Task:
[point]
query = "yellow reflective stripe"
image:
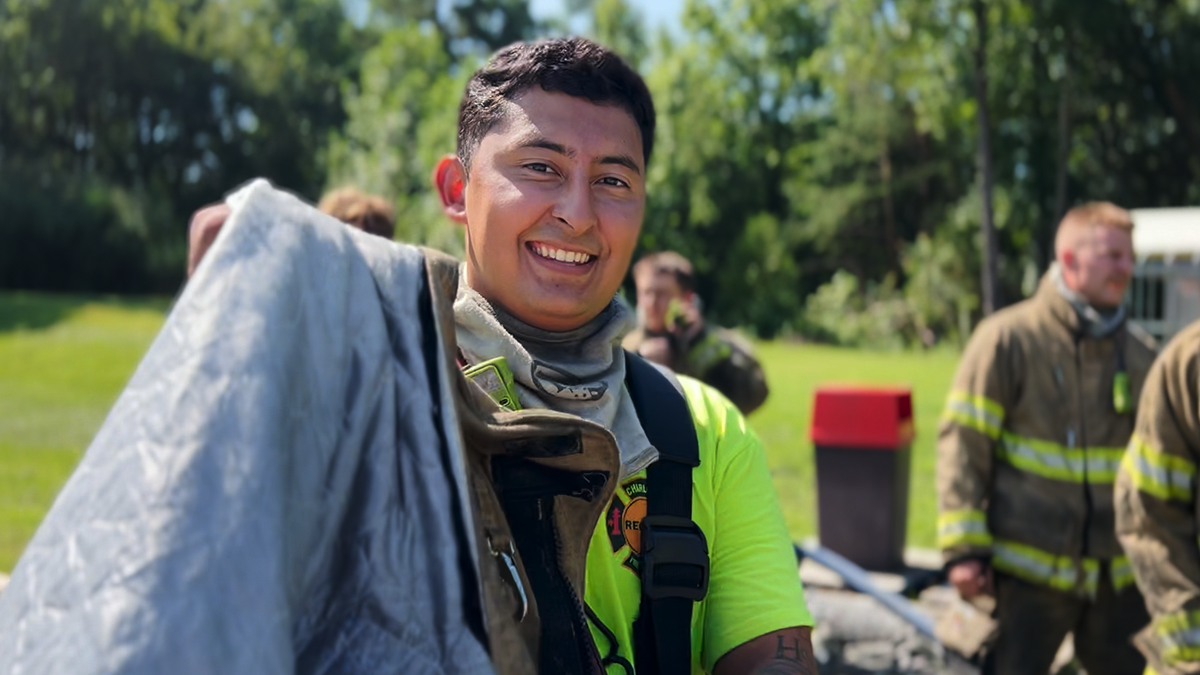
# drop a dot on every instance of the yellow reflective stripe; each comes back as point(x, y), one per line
point(1180, 636)
point(1122, 572)
point(1037, 566)
point(1051, 460)
point(976, 412)
point(963, 527)
point(1157, 473)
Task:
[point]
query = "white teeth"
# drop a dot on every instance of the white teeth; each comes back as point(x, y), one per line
point(574, 257)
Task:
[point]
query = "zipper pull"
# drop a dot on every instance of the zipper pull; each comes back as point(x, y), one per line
point(1070, 438)
point(507, 556)
point(1058, 375)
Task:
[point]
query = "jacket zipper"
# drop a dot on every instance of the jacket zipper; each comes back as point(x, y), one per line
point(1082, 438)
point(565, 635)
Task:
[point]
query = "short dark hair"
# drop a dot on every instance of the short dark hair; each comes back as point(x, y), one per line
point(572, 66)
point(667, 262)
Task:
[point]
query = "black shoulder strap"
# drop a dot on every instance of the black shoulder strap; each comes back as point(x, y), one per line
point(674, 555)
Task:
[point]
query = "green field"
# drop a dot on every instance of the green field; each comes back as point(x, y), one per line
point(794, 371)
point(64, 360)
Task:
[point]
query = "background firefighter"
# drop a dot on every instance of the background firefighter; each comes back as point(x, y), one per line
point(671, 331)
point(1156, 506)
point(1034, 428)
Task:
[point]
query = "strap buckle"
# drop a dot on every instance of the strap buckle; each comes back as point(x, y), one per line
point(674, 559)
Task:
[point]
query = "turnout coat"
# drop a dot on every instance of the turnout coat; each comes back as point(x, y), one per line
point(1157, 513)
point(1030, 442)
point(298, 479)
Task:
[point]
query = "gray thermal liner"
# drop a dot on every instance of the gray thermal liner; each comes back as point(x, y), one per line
point(279, 489)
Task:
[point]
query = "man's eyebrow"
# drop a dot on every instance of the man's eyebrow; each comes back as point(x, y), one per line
point(539, 141)
point(623, 160)
point(536, 140)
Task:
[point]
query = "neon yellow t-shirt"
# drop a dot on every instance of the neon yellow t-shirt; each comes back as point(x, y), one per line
point(754, 587)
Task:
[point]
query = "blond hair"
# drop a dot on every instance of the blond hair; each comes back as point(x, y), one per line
point(1082, 219)
point(369, 213)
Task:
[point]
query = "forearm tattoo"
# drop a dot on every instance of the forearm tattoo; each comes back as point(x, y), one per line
point(791, 658)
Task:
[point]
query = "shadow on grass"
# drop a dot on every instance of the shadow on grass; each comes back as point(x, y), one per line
point(22, 310)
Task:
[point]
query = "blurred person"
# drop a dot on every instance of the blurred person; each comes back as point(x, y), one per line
point(369, 213)
point(1034, 428)
point(565, 481)
point(1157, 520)
point(672, 332)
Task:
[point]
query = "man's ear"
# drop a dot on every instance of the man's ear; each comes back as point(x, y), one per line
point(450, 181)
point(1069, 259)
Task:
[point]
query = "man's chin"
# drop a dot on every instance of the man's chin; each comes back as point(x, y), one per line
point(558, 319)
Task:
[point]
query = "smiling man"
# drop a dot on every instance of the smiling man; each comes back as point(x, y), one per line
point(1033, 432)
point(549, 183)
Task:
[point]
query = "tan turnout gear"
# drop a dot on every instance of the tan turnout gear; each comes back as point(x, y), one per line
point(1030, 443)
point(1028, 450)
point(1157, 510)
point(488, 431)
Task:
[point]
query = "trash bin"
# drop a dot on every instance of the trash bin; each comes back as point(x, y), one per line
point(863, 438)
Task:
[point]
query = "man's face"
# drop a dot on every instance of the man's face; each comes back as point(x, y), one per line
point(655, 291)
point(1100, 266)
point(553, 205)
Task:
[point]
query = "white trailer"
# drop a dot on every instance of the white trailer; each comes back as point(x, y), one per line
point(1165, 293)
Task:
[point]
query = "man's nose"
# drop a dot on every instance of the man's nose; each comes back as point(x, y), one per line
point(575, 206)
point(1126, 266)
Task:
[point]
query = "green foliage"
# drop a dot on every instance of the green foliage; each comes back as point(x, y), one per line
point(64, 233)
point(878, 318)
point(796, 140)
point(401, 120)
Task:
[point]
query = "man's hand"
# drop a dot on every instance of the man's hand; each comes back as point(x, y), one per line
point(658, 349)
point(972, 578)
point(784, 652)
point(202, 232)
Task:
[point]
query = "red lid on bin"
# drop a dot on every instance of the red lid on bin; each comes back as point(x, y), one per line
point(860, 417)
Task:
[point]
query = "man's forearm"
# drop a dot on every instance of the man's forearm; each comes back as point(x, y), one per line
point(793, 656)
point(783, 652)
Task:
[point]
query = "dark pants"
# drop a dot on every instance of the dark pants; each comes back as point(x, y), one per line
point(1034, 620)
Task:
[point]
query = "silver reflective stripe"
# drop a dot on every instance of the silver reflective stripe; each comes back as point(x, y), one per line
point(1172, 479)
point(1036, 568)
point(974, 412)
point(964, 526)
point(1056, 462)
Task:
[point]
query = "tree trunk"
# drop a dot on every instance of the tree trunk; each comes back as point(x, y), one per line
point(889, 210)
point(990, 277)
point(1064, 135)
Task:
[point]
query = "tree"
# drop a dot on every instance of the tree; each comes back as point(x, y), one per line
point(990, 280)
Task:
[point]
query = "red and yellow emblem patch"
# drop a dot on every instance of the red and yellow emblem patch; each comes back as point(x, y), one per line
point(623, 521)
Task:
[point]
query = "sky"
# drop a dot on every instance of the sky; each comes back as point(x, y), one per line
point(655, 12)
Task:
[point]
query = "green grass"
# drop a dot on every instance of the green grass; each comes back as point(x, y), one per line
point(64, 360)
point(795, 371)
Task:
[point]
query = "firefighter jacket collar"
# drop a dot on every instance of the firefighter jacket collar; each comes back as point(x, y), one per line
point(1063, 310)
point(579, 372)
point(1094, 322)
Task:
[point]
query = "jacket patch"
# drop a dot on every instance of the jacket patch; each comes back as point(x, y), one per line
point(623, 522)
